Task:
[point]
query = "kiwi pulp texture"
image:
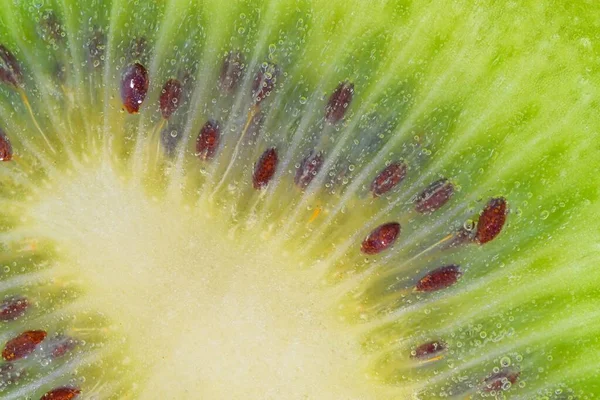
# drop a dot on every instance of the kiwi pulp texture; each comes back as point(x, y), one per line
point(298, 199)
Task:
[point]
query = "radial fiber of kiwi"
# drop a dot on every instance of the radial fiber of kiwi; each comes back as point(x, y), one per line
point(299, 199)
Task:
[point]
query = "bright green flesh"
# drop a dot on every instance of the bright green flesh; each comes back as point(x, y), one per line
point(184, 281)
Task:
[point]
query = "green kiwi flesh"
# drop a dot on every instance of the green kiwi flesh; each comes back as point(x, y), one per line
point(299, 199)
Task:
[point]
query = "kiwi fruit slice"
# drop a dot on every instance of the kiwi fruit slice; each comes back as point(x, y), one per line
point(299, 199)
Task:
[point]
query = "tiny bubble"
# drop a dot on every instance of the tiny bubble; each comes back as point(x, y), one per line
point(469, 225)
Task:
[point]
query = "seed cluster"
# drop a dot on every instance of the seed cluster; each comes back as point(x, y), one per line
point(135, 83)
point(26, 343)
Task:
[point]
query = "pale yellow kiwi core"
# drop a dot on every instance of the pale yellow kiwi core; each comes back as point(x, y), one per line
point(203, 310)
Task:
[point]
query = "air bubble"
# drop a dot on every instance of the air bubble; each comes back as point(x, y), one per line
point(505, 361)
point(544, 215)
point(469, 225)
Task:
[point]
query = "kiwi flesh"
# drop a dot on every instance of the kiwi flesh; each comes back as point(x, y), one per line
point(299, 199)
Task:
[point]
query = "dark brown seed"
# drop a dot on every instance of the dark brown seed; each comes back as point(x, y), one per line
point(10, 70)
point(265, 168)
point(231, 71)
point(429, 350)
point(13, 308)
point(6, 151)
point(170, 97)
point(61, 345)
point(208, 140)
point(134, 87)
point(62, 393)
point(381, 238)
point(461, 237)
point(387, 179)
point(264, 82)
point(491, 220)
point(22, 345)
point(439, 279)
point(434, 196)
point(501, 380)
point(339, 102)
point(309, 168)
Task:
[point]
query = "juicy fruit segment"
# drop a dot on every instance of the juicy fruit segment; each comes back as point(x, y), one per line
point(162, 259)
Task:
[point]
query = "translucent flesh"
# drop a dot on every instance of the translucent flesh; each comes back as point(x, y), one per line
point(188, 282)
